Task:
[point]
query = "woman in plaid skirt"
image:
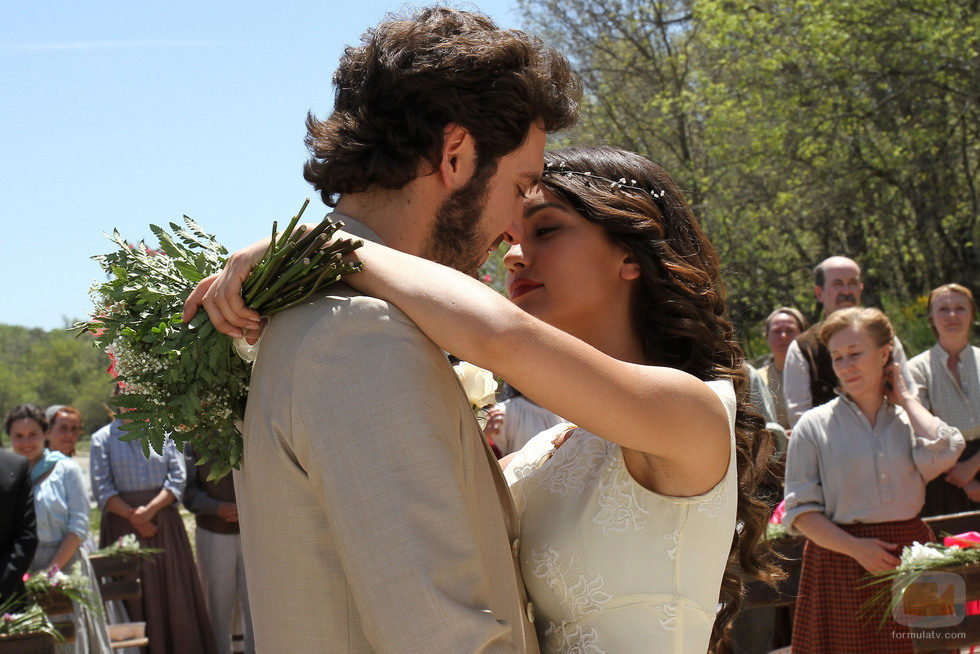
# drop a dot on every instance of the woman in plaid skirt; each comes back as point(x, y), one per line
point(856, 471)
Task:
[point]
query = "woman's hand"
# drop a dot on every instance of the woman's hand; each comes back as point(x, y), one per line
point(495, 420)
point(961, 474)
point(894, 385)
point(972, 490)
point(874, 555)
point(149, 530)
point(228, 511)
point(221, 296)
point(141, 516)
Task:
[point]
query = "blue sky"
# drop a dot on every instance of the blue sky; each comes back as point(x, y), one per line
point(118, 115)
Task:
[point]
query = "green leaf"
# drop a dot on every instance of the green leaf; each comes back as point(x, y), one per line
point(167, 243)
point(190, 272)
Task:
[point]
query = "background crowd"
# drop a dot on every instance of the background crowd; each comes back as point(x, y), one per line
point(47, 507)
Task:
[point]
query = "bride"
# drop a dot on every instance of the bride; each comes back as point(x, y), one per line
point(616, 322)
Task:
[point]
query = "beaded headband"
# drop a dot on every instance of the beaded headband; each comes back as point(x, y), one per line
point(616, 185)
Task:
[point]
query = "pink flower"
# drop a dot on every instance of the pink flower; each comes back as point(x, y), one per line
point(27, 575)
point(778, 513)
point(487, 279)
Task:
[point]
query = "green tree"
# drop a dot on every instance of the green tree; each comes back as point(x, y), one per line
point(53, 368)
point(799, 129)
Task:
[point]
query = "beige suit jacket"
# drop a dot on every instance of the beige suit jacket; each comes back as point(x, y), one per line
point(374, 516)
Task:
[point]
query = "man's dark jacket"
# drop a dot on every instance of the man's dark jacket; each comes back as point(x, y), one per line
point(18, 530)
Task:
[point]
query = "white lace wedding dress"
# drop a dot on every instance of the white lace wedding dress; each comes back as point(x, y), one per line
point(610, 566)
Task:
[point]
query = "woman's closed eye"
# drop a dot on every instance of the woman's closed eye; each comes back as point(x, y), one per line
point(544, 231)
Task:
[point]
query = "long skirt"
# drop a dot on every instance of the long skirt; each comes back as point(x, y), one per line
point(832, 597)
point(172, 603)
point(91, 636)
point(943, 498)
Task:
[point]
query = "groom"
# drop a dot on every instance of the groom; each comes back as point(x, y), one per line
point(374, 516)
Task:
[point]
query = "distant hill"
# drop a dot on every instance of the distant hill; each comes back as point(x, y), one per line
point(53, 367)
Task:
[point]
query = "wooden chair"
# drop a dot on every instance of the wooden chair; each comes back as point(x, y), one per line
point(27, 644)
point(119, 580)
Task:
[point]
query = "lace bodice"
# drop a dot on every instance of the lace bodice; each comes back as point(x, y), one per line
point(609, 565)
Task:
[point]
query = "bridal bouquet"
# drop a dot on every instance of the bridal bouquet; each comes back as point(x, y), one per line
point(185, 381)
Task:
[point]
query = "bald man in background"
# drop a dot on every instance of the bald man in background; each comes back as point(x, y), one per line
point(808, 374)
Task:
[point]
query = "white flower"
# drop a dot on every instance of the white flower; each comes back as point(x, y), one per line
point(919, 553)
point(479, 384)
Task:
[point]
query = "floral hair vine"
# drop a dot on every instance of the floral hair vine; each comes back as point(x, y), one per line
point(616, 185)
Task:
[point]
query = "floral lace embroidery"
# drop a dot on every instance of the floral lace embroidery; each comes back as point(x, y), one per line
point(671, 545)
point(525, 484)
point(582, 596)
point(619, 507)
point(572, 467)
point(571, 638)
point(667, 614)
point(713, 503)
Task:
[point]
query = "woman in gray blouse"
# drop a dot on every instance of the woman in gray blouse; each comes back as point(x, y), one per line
point(856, 472)
point(948, 377)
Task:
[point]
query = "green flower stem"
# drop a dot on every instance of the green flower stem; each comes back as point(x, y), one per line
point(291, 274)
point(325, 227)
point(253, 280)
point(320, 280)
point(268, 273)
point(334, 253)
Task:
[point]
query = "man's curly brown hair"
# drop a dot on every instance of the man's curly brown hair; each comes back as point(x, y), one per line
point(410, 77)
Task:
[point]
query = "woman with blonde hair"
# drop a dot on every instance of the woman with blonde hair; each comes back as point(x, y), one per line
point(948, 376)
point(856, 471)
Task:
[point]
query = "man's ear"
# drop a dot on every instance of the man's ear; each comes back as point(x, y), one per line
point(818, 291)
point(458, 160)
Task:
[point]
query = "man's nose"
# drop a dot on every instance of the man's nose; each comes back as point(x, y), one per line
point(514, 232)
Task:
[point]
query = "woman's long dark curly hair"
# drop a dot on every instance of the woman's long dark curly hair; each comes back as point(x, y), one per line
point(679, 312)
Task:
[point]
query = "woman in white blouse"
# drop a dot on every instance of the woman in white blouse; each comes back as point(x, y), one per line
point(856, 471)
point(948, 377)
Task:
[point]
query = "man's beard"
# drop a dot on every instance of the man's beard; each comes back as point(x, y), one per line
point(455, 240)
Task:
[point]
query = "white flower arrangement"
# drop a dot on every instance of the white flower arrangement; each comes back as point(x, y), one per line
point(919, 556)
point(479, 384)
point(47, 584)
point(127, 546)
point(480, 388)
point(915, 560)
